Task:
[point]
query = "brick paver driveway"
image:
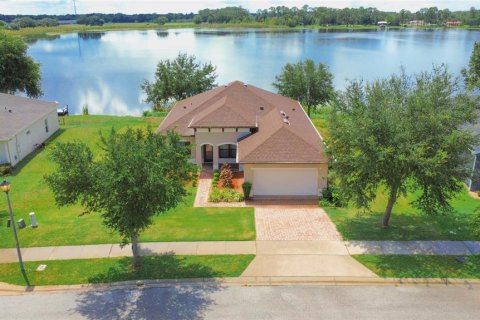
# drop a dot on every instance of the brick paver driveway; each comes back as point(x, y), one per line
point(293, 221)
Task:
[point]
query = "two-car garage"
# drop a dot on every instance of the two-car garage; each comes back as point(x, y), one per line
point(295, 181)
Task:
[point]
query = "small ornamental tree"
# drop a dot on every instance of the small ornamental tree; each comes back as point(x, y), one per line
point(139, 175)
point(403, 134)
point(226, 176)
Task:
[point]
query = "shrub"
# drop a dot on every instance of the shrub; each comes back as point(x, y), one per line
point(246, 187)
point(226, 176)
point(331, 196)
point(5, 168)
point(224, 195)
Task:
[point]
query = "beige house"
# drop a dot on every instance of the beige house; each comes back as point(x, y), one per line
point(24, 125)
point(267, 135)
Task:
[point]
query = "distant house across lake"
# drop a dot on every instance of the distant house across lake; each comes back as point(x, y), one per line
point(24, 125)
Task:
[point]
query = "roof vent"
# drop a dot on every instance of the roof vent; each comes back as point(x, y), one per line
point(245, 84)
point(293, 109)
point(286, 121)
point(10, 110)
point(283, 113)
point(262, 108)
point(184, 107)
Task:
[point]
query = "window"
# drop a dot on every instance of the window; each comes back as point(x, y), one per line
point(46, 125)
point(183, 143)
point(227, 151)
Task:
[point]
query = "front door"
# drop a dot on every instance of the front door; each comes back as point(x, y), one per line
point(208, 153)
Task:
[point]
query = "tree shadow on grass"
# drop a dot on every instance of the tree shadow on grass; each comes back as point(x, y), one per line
point(187, 301)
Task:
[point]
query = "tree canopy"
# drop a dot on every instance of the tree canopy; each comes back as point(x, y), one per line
point(472, 73)
point(138, 175)
point(178, 79)
point(402, 134)
point(18, 71)
point(304, 81)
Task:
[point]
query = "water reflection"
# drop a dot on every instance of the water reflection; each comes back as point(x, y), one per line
point(104, 70)
point(91, 35)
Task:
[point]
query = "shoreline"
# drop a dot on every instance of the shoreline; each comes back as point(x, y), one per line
point(51, 32)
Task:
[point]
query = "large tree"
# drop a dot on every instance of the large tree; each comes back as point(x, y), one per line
point(18, 71)
point(178, 79)
point(304, 81)
point(138, 175)
point(402, 134)
point(472, 73)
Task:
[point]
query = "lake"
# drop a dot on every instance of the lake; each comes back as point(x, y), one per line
point(105, 70)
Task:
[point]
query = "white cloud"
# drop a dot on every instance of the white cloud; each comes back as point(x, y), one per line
point(164, 6)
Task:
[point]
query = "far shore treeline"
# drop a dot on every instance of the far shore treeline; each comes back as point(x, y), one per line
point(274, 16)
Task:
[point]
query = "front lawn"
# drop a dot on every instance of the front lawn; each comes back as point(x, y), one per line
point(64, 272)
point(418, 266)
point(67, 226)
point(407, 223)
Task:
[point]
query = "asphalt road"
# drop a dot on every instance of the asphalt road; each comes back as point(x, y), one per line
point(257, 302)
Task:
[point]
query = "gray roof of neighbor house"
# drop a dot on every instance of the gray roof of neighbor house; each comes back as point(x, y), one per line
point(18, 113)
point(284, 133)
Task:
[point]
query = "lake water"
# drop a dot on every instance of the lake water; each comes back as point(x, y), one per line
point(104, 70)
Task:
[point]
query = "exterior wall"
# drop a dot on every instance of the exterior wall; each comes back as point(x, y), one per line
point(23, 143)
point(322, 170)
point(216, 139)
point(4, 158)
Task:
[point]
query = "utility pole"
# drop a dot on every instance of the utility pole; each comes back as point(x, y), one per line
point(75, 7)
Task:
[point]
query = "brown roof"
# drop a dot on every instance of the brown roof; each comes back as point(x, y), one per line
point(284, 131)
point(17, 113)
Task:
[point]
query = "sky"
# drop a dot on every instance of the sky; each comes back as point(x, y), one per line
point(185, 6)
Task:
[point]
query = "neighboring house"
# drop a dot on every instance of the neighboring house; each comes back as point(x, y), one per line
point(453, 23)
point(269, 136)
point(24, 125)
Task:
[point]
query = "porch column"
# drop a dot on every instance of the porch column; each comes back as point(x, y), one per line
point(198, 154)
point(215, 157)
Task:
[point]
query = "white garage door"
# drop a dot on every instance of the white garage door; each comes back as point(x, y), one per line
point(285, 182)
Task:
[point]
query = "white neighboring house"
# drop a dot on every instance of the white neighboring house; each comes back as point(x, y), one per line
point(24, 124)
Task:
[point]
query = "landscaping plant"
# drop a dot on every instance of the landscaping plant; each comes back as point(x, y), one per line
point(226, 176)
point(246, 187)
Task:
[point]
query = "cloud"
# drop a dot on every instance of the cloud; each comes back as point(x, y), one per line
point(164, 6)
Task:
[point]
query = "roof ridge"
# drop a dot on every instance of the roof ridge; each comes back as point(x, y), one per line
point(289, 128)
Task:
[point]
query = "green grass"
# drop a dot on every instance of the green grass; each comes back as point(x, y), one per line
point(65, 272)
point(418, 266)
point(407, 223)
point(66, 226)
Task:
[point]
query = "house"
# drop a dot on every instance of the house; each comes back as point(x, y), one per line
point(24, 125)
point(416, 23)
point(453, 23)
point(268, 136)
point(382, 23)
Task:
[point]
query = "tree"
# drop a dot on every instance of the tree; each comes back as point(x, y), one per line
point(472, 73)
point(140, 175)
point(304, 81)
point(178, 79)
point(161, 20)
point(226, 176)
point(18, 71)
point(402, 134)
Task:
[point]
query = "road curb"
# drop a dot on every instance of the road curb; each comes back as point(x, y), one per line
point(9, 289)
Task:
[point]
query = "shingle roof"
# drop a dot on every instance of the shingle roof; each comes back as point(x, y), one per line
point(17, 113)
point(284, 131)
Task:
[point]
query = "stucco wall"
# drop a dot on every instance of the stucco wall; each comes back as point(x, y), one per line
point(322, 170)
point(23, 143)
point(3, 152)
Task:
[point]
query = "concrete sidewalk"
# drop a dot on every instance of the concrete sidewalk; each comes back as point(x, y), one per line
point(264, 248)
